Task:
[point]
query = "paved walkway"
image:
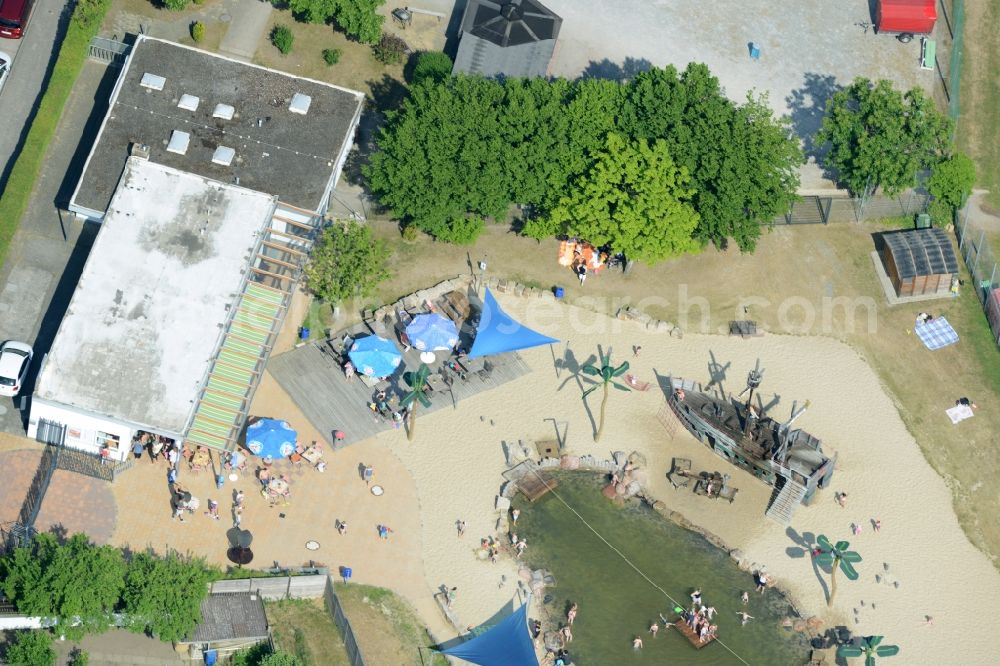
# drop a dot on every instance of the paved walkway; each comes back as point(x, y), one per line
point(250, 19)
point(122, 648)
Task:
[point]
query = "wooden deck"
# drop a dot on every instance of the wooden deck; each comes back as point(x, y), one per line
point(332, 402)
point(692, 637)
point(536, 485)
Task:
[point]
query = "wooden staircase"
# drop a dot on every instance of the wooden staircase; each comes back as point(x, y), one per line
point(784, 501)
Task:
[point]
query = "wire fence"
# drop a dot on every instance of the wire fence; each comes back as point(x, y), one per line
point(337, 611)
point(834, 209)
point(974, 246)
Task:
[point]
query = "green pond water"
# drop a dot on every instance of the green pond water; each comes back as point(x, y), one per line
point(616, 603)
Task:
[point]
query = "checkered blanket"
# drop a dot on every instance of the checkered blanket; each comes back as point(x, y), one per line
point(936, 333)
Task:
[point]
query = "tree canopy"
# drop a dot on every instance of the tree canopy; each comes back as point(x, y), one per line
point(31, 648)
point(634, 197)
point(460, 149)
point(880, 138)
point(356, 18)
point(162, 595)
point(77, 582)
point(952, 179)
point(346, 262)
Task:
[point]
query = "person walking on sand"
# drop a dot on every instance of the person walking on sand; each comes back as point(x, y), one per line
point(460, 526)
point(654, 628)
point(636, 643)
point(238, 498)
point(342, 527)
point(384, 531)
point(367, 474)
point(745, 597)
point(744, 617)
point(213, 509)
point(841, 500)
point(876, 525)
point(237, 517)
point(571, 614)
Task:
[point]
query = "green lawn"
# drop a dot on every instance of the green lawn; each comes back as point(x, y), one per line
point(979, 117)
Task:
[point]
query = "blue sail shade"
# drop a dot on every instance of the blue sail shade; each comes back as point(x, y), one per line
point(498, 332)
point(505, 644)
point(271, 438)
point(432, 332)
point(374, 356)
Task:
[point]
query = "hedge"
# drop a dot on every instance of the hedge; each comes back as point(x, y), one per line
point(83, 26)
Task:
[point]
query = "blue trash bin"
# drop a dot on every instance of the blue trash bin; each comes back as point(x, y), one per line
point(304, 333)
point(345, 573)
point(559, 292)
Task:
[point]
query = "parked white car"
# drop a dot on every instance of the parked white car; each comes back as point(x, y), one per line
point(5, 62)
point(15, 358)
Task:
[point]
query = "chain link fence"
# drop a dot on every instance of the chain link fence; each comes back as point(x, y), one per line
point(974, 246)
point(833, 209)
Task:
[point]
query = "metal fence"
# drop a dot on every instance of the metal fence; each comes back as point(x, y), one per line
point(337, 611)
point(825, 210)
point(974, 246)
point(109, 51)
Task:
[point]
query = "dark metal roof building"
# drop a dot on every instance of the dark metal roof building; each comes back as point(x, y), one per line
point(513, 38)
point(919, 261)
point(231, 617)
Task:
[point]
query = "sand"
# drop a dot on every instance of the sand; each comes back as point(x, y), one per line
point(456, 460)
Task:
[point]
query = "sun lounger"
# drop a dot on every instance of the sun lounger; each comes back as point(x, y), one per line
point(679, 475)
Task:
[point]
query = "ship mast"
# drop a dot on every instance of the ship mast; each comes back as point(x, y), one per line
point(754, 379)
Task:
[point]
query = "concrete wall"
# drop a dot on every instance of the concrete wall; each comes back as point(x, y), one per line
point(294, 587)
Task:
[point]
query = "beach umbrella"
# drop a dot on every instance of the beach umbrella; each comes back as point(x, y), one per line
point(271, 438)
point(836, 556)
point(374, 356)
point(869, 648)
point(432, 332)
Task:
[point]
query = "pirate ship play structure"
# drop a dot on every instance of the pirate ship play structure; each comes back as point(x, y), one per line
point(789, 460)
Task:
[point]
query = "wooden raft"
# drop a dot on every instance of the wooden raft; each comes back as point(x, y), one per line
point(536, 485)
point(688, 633)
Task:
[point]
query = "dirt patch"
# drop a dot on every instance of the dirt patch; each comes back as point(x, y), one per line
point(386, 627)
point(318, 642)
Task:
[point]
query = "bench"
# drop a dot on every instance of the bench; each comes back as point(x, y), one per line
point(928, 53)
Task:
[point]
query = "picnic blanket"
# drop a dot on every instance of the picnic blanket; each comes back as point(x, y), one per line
point(936, 333)
point(959, 413)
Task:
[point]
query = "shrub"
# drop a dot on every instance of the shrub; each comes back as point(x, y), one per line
point(79, 657)
point(390, 49)
point(331, 56)
point(176, 5)
point(197, 31)
point(282, 39)
point(410, 233)
point(434, 66)
point(31, 648)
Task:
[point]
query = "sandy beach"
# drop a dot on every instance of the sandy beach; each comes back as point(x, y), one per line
point(456, 460)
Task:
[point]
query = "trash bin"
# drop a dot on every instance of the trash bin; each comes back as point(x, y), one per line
point(754, 51)
point(304, 333)
point(559, 292)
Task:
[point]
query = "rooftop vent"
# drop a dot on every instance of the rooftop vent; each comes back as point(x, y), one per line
point(223, 156)
point(152, 81)
point(300, 104)
point(188, 103)
point(224, 111)
point(178, 142)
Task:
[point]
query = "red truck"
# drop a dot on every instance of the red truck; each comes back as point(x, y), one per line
point(905, 18)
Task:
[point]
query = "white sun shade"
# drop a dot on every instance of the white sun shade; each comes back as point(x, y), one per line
point(223, 156)
point(224, 111)
point(178, 142)
point(300, 104)
point(152, 81)
point(188, 103)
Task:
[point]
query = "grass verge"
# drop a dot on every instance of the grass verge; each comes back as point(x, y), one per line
point(303, 627)
point(83, 26)
point(386, 627)
point(979, 116)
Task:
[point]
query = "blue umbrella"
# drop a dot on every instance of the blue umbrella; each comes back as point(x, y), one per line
point(271, 438)
point(375, 356)
point(432, 332)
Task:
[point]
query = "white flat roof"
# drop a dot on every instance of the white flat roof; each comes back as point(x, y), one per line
point(147, 314)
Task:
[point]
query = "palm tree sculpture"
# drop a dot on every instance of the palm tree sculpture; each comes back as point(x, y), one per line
point(417, 380)
point(836, 556)
point(868, 649)
point(607, 373)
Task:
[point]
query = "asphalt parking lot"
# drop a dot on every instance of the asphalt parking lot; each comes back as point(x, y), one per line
point(807, 48)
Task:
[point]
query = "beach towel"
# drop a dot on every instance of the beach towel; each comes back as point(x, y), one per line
point(959, 413)
point(936, 333)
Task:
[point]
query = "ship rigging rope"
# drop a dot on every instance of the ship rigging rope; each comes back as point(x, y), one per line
point(628, 561)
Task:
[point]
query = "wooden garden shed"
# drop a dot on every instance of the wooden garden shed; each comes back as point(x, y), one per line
point(919, 261)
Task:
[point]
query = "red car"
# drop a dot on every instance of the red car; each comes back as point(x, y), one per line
point(14, 15)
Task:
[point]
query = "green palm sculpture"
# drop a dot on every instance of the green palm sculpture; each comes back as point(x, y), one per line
point(417, 380)
point(836, 556)
point(870, 648)
point(607, 374)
